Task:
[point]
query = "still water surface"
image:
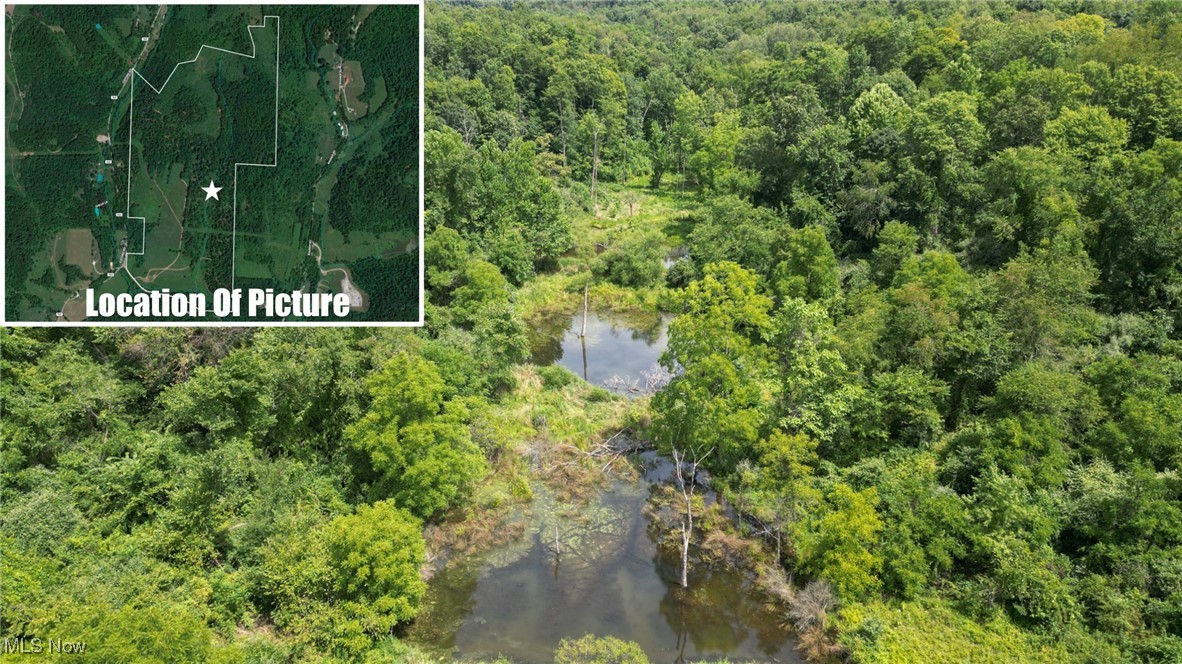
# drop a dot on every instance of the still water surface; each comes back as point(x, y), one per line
point(617, 345)
point(607, 576)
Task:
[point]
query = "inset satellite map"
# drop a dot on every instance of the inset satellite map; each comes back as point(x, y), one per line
point(194, 148)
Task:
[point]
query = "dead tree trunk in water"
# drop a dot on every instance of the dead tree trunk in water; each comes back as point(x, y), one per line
point(586, 290)
point(687, 493)
point(583, 334)
point(687, 531)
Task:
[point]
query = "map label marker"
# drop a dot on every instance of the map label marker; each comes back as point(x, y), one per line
point(211, 191)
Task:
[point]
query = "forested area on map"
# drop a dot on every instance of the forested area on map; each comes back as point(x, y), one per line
point(108, 165)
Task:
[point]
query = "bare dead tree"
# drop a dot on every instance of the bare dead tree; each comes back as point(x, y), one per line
point(617, 447)
point(811, 606)
point(687, 493)
point(622, 384)
point(652, 380)
point(656, 377)
point(469, 126)
point(808, 612)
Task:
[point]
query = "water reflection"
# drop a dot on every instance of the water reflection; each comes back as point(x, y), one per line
point(605, 576)
point(623, 346)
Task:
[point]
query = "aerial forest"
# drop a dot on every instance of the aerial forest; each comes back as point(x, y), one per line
point(921, 267)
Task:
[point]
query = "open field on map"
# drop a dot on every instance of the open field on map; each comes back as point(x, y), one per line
point(363, 244)
point(81, 250)
point(375, 93)
point(353, 88)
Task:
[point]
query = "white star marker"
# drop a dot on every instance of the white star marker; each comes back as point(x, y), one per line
point(211, 191)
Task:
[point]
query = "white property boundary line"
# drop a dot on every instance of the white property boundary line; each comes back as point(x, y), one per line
point(274, 158)
point(246, 323)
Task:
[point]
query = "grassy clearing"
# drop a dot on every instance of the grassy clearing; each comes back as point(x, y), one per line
point(622, 209)
point(562, 292)
point(552, 408)
point(931, 631)
point(362, 244)
point(354, 107)
point(81, 250)
point(165, 230)
point(635, 207)
point(540, 431)
point(379, 94)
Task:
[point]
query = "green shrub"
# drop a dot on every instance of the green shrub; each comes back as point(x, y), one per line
point(599, 650)
point(556, 377)
point(632, 260)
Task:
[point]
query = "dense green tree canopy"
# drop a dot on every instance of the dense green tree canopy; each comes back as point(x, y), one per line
point(928, 336)
point(940, 243)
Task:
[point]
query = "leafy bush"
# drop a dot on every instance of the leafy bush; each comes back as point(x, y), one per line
point(599, 650)
point(556, 377)
point(634, 260)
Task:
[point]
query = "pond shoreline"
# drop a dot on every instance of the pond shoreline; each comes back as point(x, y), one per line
point(620, 351)
point(587, 567)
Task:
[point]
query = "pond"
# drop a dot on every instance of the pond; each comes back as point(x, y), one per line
point(605, 576)
point(620, 351)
